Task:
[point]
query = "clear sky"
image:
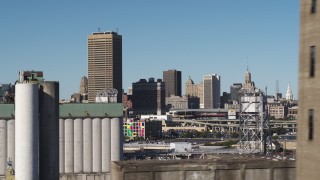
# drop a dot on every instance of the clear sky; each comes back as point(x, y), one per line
point(195, 37)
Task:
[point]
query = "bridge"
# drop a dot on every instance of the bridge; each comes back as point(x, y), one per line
point(231, 125)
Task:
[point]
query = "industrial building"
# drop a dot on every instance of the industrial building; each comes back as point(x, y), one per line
point(308, 155)
point(90, 137)
point(220, 167)
point(104, 63)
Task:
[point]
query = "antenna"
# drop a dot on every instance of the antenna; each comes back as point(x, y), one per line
point(247, 63)
point(277, 87)
point(99, 29)
point(117, 30)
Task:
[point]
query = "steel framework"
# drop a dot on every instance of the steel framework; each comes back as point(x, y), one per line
point(254, 124)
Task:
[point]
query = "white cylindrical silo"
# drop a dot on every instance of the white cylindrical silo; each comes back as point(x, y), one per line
point(27, 131)
point(78, 145)
point(61, 146)
point(10, 141)
point(3, 146)
point(96, 140)
point(116, 139)
point(106, 140)
point(68, 146)
point(87, 145)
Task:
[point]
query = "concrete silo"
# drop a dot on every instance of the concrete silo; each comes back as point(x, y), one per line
point(87, 145)
point(96, 141)
point(116, 139)
point(27, 131)
point(78, 145)
point(49, 130)
point(3, 146)
point(11, 141)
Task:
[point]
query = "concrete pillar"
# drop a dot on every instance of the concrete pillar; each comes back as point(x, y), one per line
point(10, 141)
point(49, 130)
point(116, 139)
point(69, 157)
point(87, 145)
point(3, 146)
point(27, 131)
point(61, 146)
point(106, 142)
point(78, 145)
point(96, 140)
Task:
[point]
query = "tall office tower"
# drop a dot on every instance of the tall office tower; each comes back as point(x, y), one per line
point(211, 91)
point(172, 80)
point(148, 97)
point(104, 63)
point(308, 156)
point(248, 85)
point(234, 91)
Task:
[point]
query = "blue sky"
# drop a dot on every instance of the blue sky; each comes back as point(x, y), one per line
point(195, 37)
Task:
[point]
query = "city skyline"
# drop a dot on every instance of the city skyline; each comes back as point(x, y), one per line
point(196, 39)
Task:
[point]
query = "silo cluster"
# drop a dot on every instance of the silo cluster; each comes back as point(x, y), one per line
point(88, 145)
point(42, 146)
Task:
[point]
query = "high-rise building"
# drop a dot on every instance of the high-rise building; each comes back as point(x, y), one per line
point(248, 85)
point(191, 88)
point(84, 85)
point(148, 97)
point(172, 80)
point(308, 156)
point(211, 91)
point(104, 63)
point(234, 91)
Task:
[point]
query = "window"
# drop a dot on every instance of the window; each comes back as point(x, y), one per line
point(313, 6)
point(312, 60)
point(310, 136)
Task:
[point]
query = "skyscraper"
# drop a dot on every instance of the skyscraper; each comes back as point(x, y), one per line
point(104, 63)
point(308, 156)
point(172, 80)
point(248, 85)
point(211, 91)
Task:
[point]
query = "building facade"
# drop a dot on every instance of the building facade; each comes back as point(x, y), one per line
point(185, 102)
point(277, 111)
point(172, 80)
point(148, 97)
point(293, 112)
point(104, 63)
point(211, 91)
point(308, 155)
point(191, 88)
point(134, 129)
